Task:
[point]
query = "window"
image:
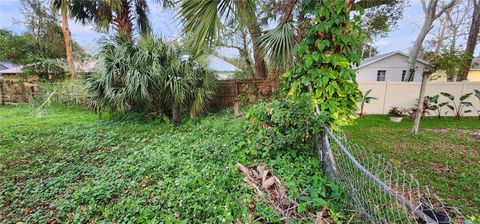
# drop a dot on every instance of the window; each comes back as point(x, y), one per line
point(404, 73)
point(381, 75)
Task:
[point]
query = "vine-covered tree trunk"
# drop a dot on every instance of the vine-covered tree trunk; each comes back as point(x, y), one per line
point(68, 44)
point(176, 114)
point(471, 41)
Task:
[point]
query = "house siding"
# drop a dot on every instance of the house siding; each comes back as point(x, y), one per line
point(393, 65)
point(474, 75)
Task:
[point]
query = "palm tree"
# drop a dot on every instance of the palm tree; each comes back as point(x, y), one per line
point(150, 75)
point(119, 14)
point(63, 7)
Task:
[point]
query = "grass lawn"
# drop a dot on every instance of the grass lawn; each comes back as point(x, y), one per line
point(444, 155)
point(69, 166)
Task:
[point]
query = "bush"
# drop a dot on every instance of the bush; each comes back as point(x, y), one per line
point(149, 76)
point(282, 124)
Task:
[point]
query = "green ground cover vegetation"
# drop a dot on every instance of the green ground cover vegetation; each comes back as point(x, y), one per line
point(445, 155)
point(71, 166)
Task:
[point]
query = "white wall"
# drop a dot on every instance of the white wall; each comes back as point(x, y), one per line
point(404, 94)
point(394, 65)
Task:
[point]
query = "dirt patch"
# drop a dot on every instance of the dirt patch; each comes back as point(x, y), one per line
point(439, 168)
point(438, 130)
point(476, 135)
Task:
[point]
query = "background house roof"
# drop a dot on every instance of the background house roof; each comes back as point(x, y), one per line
point(13, 70)
point(373, 59)
point(6, 65)
point(475, 63)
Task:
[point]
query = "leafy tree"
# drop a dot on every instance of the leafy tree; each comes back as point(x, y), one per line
point(43, 26)
point(323, 71)
point(450, 61)
point(17, 49)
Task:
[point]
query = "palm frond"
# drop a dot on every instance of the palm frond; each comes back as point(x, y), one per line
point(202, 19)
point(278, 43)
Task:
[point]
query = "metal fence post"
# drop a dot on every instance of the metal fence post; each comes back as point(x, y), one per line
point(328, 161)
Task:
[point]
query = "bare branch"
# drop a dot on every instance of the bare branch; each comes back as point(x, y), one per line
point(424, 6)
point(445, 8)
point(233, 46)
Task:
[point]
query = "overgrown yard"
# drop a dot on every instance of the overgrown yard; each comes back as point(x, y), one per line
point(445, 155)
point(69, 166)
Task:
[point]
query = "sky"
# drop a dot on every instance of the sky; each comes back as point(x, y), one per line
point(165, 25)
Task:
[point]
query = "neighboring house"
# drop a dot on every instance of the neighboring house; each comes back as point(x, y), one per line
point(474, 73)
point(388, 67)
point(13, 73)
point(222, 69)
point(5, 65)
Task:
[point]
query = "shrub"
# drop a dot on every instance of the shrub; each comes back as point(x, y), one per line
point(282, 124)
point(458, 109)
point(435, 105)
point(149, 76)
point(396, 112)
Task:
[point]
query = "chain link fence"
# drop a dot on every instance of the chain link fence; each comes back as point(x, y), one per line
point(380, 192)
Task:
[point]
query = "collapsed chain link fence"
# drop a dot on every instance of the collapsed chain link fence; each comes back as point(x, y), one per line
point(380, 192)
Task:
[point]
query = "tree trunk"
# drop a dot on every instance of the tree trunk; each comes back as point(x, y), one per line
point(471, 42)
point(68, 44)
point(421, 99)
point(176, 114)
point(255, 33)
point(123, 23)
point(412, 59)
point(246, 55)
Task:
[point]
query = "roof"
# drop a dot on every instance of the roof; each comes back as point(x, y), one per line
point(80, 66)
point(13, 70)
point(217, 64)
point(380, 57)
point(475, 63)
point(5, 65)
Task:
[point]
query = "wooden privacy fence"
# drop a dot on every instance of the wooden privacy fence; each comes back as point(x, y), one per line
point(17, 92)
point(229, 91)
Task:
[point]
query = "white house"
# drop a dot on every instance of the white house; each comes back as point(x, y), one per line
point(222, 69)
point(388, 67)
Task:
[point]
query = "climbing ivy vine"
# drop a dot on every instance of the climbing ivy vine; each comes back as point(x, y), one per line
point(323, 70)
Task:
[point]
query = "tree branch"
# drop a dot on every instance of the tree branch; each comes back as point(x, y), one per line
point(374, 3)
point(445, 8)
point(424, 6)
point(233, 46)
